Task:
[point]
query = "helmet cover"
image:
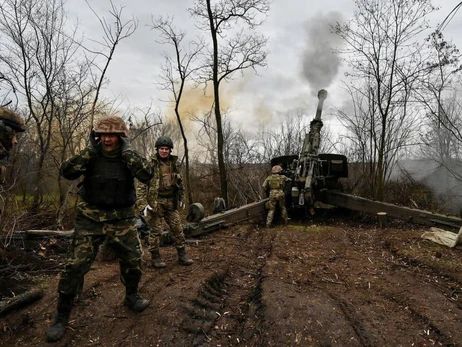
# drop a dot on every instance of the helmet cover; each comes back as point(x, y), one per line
point(11, 119)
point(111, 125)
point(276, 169)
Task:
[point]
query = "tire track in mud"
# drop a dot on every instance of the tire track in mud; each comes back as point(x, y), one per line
point(433, 315)
point(350, 294)
point(226, 307)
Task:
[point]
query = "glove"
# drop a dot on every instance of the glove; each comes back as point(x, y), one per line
point(92, 144)
point(126, 145)
point(145, 210)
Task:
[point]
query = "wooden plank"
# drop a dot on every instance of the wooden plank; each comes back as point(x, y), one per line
point(227, 218)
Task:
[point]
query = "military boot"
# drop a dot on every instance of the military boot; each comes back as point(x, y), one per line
point(157, 260)
point(134, 301)
point(58, 328)
point(183, 258)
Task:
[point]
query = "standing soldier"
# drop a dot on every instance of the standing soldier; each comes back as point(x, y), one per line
point(109, 167)
point(275, 183)
point(164, 196)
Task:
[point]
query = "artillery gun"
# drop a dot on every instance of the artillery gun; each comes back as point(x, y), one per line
point(315, 178)
point(311, 172)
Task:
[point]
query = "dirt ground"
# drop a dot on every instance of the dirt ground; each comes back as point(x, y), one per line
point(328, 282)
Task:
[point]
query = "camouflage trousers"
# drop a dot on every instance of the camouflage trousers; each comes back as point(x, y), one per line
point(167, 211)
point(121, 235)
point(276, 199)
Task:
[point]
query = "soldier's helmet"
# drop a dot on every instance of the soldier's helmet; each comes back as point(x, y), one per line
point(164, 141)
point(12, 120)
point(276, 169)
point(111, 125)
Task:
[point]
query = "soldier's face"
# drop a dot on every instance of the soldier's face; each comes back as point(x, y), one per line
point(14, 140)
point(110, 141)
point(10, 140)
point(164, 152)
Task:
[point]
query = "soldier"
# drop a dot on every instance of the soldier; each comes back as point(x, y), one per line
point(275, 183)
point(164, 196)
point(109, 167)
point(11, 125)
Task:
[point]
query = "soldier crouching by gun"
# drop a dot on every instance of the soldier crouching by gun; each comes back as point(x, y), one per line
point(275, 183)
point(164, 197)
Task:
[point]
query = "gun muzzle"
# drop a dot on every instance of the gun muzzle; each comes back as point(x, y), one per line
point(322, 95)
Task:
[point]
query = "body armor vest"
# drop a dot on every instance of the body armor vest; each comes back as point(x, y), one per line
point(108, 183)
point(275, 182)
point(166, 186)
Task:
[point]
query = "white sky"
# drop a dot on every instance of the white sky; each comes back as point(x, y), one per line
point(280, 87)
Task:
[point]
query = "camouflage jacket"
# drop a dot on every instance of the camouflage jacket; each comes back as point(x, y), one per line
point(4, 153)
point(3, 165)
point(153, 190)
point(77, 166)
point(275, 182)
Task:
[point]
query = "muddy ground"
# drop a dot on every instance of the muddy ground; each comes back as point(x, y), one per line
point(328, 282)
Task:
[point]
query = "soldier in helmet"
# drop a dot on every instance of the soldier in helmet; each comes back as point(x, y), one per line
point(275, 183)
point(109, 167)
point(11, 125)
point(164, 196)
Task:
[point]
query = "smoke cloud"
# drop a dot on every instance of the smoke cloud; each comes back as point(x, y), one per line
point(320, 63)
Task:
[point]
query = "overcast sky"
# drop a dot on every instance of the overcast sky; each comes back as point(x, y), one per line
point(299, 45)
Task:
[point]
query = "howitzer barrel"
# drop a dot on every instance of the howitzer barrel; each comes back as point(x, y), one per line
point(313, 138)
point(322, 95)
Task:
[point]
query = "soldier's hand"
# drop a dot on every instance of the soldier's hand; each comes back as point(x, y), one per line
point(181, 204)
point(126, 145)
point(92, 144)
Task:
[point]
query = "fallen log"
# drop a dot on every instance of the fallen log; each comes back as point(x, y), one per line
point(20, 301)
point(43, 233)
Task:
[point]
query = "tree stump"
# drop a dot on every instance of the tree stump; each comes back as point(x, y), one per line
point(382, 219)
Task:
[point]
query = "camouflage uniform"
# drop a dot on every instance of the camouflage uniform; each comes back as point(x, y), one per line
point(276, 183)
point(10, 125)
point(107, 213)
point(164, 193)
point(93, 224)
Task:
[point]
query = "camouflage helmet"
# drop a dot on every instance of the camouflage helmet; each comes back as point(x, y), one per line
point(164, 141)
point(276, 169)
point(111, 125)
point(12, 120)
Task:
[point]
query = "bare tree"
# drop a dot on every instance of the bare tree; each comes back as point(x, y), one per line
point(113, 34)
point(39, 58)
point(384, 54)
point(444, 71)
point(176, 72)
point(285, 137)
point(144, 129)
point(233, 50)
